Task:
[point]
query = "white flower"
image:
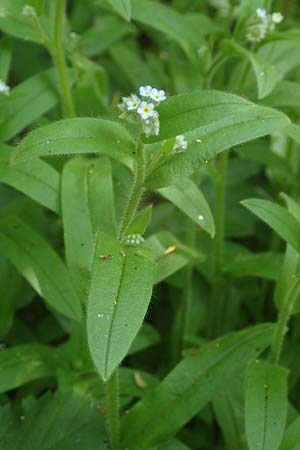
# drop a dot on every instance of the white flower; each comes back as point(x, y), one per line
point(133, 239)
point(151, 126)
point(277, 17)
point(145, 91)
point(132, 103)
point(180, 143)
point(4, 89)
point(29, 11)
point(261, 13)
point(158, 95)
point(146, 110)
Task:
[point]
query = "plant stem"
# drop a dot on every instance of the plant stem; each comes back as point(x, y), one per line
point(112, 408)
point(217, 300)
point(283, 318)
point(59, 59)
point(136, 193)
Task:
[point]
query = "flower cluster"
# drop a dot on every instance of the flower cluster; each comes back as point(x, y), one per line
point(133, 239)
point(4, 89)
point(29, 11)
point(262, 24)
point(142, 108)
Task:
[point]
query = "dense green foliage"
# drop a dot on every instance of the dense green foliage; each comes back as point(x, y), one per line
point(149, 224)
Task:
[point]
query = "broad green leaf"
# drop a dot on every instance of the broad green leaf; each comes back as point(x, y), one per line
point(121, 7)
point(211, 122)
point(27, 102)
point(14, 22)
point(291, 438)
point(190, 386)
point(265, 73)
point(140, 222)
point(278, 218)
point(120, 292)
point(293, 131)
point(283, 55)
point(285, 93)
point(62, 421)
point(37, 179)
point(190, 200)
point(77, 136)
point(173, 444)
point(5, 57)
point(88, 202)
point(266, 405)
point(40, 265)
point(24, 363)
point(263, 265)
point(170, 254)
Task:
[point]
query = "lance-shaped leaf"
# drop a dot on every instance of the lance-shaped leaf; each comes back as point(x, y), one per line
point(40, 265)
point(121, 7)
point(27, 102)
point(266, 405)
point(120, 292)
point(87, 200)
point(211, 122)
point(190, 200)
point(24, 363)
point(278, 218)
point(77, 136)
point(37, 179)
point(190, 386)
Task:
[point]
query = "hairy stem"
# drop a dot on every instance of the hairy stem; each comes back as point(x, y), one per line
point(59, 59)
point(136, 193)
point(217, 299)
point(283, 319)
point(112, 410)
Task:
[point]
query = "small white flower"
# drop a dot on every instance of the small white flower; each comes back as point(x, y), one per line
point(261, 13)
point(146, 110)
point(29, 11)
point(4, 89)
point(277, 17)
point(180, 143)
point(158, 95)
point(132, 103)
point(145, 91)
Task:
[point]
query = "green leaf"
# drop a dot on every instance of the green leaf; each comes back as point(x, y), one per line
point(285, 93)
point(24, 363)
point(247, 10)
point(211, 122)
point(61, 422)
point(293, 131)
point(121, 7)
point(88, 202)
point(140, 222)
point(5, 57)
point(120, 292)
point(147, 337)
point(266, 405)
point(173, 444)
point(262, 265)
point(278, 218)
point(189, 199)
point(291, 438)
point(190, 386)
point(77, 136)
point(40, 265)
point(27, 102)
point(37, 179)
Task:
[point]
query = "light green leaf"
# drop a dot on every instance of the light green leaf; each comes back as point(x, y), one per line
point(266, 405)
point(211, 122)
point(140, 222)
point(293, 131)
point(291, 438)
point(247, 10)
point(190, 200)
point(278, 218)
point(285, 93)
point(37, 179)
point(190, 386)
point(121, 7)
point(40, 265)
point(120, 292)
point(263, 265)
point(61, 422)
point(77, 136)
point(88, 202)
point(5, 57)
point(27, 102)
point(21, 364)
